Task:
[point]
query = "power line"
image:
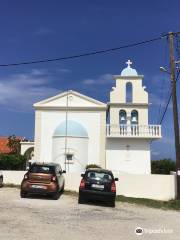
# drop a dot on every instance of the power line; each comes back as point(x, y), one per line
point(167, 104)
point(165, 110)
point(178, 45)
point(162, 87)
point(83, 54)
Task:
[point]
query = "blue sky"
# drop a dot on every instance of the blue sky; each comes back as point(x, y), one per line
point(32, 30)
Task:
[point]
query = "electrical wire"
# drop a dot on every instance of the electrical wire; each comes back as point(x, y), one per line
point(162, 86)
point(84, 54)
point(177, 45)
point(167, 104)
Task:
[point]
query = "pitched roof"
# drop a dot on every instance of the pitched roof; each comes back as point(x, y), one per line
point(75, 99)
point(3, 145)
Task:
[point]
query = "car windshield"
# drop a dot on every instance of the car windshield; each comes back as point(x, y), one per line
point(42, 169)
point(99, 175)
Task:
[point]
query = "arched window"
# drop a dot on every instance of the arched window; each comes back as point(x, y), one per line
point(122, 117)
point(129, 92)
point(134, 117)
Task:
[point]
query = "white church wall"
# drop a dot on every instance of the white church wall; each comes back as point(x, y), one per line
point(153, 186)
point(49, 120)
point(78, 147)
point(128, 155)
point(37, 135)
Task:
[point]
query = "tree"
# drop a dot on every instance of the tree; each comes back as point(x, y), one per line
point(14, 144)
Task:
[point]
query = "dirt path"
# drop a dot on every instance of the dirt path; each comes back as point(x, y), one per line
point(36, 218)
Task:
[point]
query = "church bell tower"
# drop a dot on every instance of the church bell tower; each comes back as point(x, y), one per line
point(128, 99)
point(129, 133)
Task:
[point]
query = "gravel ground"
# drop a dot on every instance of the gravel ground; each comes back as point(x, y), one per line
point(43, 218)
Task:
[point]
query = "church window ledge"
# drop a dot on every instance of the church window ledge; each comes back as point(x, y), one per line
point(69, 162)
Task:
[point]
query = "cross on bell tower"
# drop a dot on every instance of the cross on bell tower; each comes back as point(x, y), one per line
point(129, 63)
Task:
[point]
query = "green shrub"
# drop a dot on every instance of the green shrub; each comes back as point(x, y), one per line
point(12, 162)
point(163, 166)
point(92, 166)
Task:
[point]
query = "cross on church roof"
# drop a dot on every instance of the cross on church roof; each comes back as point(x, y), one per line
point(129, 63)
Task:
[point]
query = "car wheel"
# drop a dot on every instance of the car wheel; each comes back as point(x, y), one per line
point(56, 195)
point(23, 194)
point(112, 204)
point(80, 200)
point(62, 190)
point(1, 181)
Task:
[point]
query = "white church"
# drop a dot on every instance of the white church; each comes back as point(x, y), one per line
point(75, 130)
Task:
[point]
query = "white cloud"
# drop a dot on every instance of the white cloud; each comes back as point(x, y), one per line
point(20, 91)
point(156, 100)
point(155, 153)
point(64, 70)
point(160, 80)
point(38, 72)
point(168, 140)
point(101, 80)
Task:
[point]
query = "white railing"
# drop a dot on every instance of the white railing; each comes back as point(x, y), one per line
point(150, 131)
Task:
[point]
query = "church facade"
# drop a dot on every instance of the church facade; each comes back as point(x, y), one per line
point(75, 130)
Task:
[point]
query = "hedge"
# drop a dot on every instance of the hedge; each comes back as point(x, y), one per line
point(12, 162)
point(163, 166)
point(92, 165)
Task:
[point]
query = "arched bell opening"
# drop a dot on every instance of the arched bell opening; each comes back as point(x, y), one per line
point(122, 117)
point(134, 117)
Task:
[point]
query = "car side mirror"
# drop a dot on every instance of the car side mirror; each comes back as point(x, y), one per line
point(116, 179)
point(82, 175)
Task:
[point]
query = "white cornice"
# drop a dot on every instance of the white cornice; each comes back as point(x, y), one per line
point(27, 143)
point(127, 104)
point(119, 77)
point(94, 108)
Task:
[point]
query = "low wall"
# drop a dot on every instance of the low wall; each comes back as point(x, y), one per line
point(13, 177)
point(153, 186)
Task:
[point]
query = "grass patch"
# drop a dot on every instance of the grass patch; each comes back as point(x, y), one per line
point(172, 204)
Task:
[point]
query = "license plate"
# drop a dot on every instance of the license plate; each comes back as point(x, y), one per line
point(39, 187)
point(98, 186)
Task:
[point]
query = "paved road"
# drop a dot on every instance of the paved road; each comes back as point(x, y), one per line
point(64, 219)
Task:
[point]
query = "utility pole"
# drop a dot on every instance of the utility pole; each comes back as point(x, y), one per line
point(175, 108)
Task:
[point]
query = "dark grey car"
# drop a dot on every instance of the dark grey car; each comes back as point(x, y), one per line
point(98, 184)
